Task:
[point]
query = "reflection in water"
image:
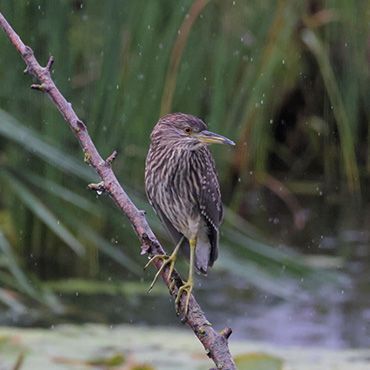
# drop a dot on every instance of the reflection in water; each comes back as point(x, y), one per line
point(327, 315)
point(332, 318)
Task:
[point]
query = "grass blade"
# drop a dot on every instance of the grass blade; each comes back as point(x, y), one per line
point(314, 44)
point(33, 142)
point(61, 192)
point(44, 213)
point(14, 268)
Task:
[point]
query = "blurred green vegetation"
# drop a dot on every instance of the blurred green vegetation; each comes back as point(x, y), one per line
point(287, 80)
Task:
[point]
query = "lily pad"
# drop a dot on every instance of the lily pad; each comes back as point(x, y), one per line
point(258, 361)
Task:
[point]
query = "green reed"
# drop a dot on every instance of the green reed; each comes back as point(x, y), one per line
point(238, 65)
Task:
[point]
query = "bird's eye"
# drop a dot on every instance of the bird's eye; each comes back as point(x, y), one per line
point(187, 130)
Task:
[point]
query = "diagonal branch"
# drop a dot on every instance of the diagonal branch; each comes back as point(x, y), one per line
point(215, 344)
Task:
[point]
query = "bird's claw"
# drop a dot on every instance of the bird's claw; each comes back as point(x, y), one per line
point(165, 261)
point(157, 256)
point(188, 288)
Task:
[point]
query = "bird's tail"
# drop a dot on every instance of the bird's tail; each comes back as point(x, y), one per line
point(206, 253)
point(203, 254)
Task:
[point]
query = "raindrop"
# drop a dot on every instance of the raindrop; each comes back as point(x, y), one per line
point(99, 192)
point(77, 294)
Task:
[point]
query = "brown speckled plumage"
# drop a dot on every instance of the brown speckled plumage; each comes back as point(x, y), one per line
point(182, 185)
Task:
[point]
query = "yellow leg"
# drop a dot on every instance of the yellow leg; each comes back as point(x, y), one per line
point(165, 261)
point(188, 286)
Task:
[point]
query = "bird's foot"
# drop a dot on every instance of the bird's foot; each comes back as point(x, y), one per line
point(186, 288)
point(166, 260)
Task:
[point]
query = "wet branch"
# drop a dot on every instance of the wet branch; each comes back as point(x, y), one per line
point(215, 344)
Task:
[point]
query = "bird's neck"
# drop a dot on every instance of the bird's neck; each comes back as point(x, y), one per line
point(178, 146)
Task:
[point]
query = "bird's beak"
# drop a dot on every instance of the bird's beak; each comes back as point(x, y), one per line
point(208, 137)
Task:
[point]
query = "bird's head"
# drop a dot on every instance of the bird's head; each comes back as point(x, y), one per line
point(185, 131)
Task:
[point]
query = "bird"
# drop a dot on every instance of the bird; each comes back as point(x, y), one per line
point(182, 186)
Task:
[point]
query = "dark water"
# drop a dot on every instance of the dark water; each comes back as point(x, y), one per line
point(331, 315)
point(334, 317)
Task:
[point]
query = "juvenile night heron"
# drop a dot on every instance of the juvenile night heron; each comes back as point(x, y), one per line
point(182, 186)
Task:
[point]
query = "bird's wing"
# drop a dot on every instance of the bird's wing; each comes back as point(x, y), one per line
point(175, 235)
point(210, 205)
